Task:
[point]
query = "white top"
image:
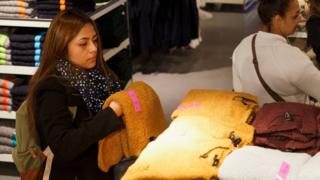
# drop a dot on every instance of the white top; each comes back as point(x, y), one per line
point(286, 69)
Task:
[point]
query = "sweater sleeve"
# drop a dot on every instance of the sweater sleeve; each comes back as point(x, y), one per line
point(235, 75)
point(67, 141)
point(303, 74)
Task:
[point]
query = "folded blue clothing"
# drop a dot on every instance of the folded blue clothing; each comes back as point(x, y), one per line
point(23, 63)
point(21, 90)
point(21, 81)
point(48, 12)
point(26, 52)
point(19, 98)
point(46, 16)
point(52, 2)
point(16, 104)
point(26, 45)
point(52, 7)
point(85, 5)
point(27, 37)
point(35, 58)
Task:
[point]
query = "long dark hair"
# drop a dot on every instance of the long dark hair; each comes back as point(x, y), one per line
point(63, 28)
point(267, 9)
point(314, 7)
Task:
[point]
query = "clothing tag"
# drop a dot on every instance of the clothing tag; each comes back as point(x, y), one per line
point(188, 106)
point(135, 100)
point(283, 171)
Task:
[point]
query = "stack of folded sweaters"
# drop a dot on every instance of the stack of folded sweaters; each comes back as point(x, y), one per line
point(49, 8)
point(5, 94)
point(17, 8)
point(26, 45)
point(7, 139)
point(5, 52)
point(19, 92)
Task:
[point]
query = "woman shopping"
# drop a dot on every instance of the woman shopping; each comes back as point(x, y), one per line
point(72, 73)
point(284, 68)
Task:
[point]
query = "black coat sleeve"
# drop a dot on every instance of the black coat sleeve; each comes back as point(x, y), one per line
point(66, 140)
point(313, 30)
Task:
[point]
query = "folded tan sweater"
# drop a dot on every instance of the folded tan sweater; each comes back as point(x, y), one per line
point(233, 107)
point(191, 148)
point(144, 120)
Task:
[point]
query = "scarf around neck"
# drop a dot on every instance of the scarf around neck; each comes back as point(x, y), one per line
point(93, 86)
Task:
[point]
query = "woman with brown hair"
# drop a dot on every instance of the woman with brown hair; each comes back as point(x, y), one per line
point(72, 73)
point(313, 27)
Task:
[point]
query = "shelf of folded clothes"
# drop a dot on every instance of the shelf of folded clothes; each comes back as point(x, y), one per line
point(42, 20)
point(8, 141)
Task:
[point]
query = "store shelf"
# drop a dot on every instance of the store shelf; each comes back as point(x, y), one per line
point(20, 70)
point(32, 22)
point(28, 70)
point(6, 158)
point(109, 53)
point(104, 9)
point(8, 115)
point(44, 23)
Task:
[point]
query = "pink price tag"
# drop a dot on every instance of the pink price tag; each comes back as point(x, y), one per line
point(283, 171)
point(135, 100)
point(188, 106)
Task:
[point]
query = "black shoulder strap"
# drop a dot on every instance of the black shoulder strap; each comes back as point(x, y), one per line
point(273, 94)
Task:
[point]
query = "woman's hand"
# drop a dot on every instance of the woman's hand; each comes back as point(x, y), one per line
point(115, 106)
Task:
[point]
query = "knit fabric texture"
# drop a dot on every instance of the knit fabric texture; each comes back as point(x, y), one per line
point(233, 107)
point(143, 118)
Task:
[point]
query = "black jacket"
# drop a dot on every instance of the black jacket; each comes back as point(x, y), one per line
point(313, 30)
point(74, 143)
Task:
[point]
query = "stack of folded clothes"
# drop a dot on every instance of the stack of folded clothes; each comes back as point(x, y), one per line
point(17, 8)
point(19, 91)
point(290, 127)
point(5, 52)
point(5, 94)
point(26, 45)
point(7, 139)
point(49, 8)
